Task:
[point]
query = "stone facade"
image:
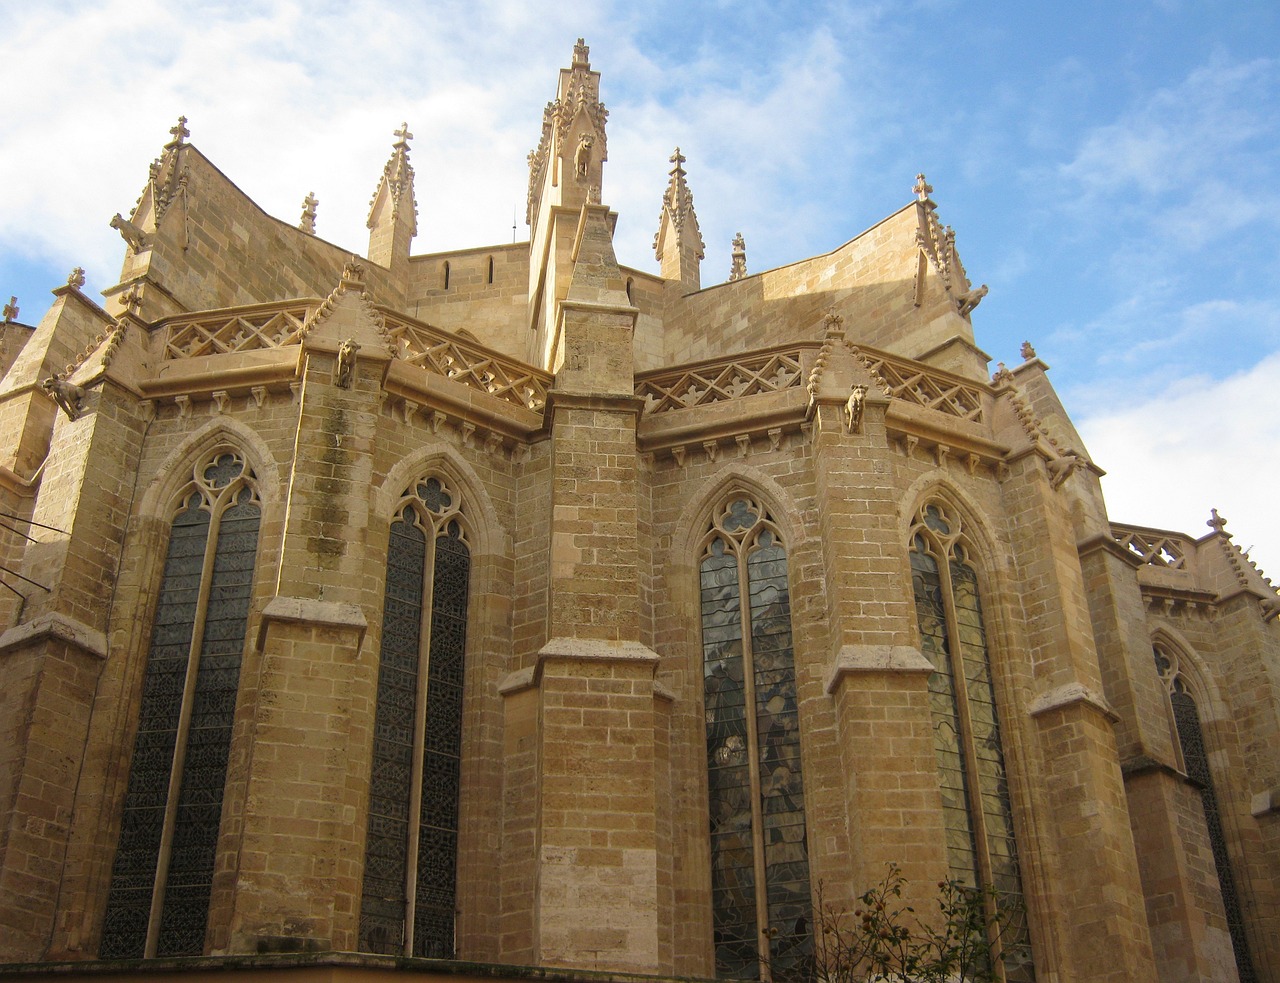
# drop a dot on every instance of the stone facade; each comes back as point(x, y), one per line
point(643, 486)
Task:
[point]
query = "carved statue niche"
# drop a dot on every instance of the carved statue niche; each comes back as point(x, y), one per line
point(345, 371)
point(582, 156)
point(853, 409)
point(66, 394)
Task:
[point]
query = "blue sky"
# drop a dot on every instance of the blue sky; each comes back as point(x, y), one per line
point(1111, 169)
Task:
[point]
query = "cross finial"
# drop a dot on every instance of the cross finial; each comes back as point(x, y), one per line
point(678, 159)
point(738, 267)
point(308, 221)
point(581, 53)
point(834, 323)
point(11, 310)
point(180, 132)
point(403, 135)
point(923, 188)
point(1216, 522)
point(76, 278)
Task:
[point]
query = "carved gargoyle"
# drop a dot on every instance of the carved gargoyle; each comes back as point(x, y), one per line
point(134, 236)
point(346, 363)
point(969, 299)
point(1062, 468)
point(853, 409)
point(66, 394)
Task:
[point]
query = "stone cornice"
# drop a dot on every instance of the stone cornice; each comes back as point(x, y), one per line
point(855, 659)
point(55, 625)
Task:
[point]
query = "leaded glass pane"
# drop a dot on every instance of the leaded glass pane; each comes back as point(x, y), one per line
point(196, 824)
point(993, 785)
point(438, 820)
point(786, 856)
point(926, 583)
point(728, 768)
point(383, 895)
point(142, 824)
point(1191, 737)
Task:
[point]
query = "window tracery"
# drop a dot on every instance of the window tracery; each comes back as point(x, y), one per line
point(977, 814)
point(158, 898)
point(761, 901)
point(408, 896)
point(1195, 759)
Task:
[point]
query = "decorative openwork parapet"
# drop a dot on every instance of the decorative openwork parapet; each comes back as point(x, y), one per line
point(776, 369)
point(240, 330)
point(436, 351)
point(1153, 547)
point(712, 382)
point(917, 383)
point(468, 363)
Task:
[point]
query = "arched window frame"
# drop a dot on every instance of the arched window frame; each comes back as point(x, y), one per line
point(147, 915)
point(978, 815)
point(748, 558)
point(395, 917)
point(1184, 698)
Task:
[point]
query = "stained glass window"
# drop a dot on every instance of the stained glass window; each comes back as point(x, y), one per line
point(409, 893)
point(1186, 719)
point(760, 895)
point(158, 899)
point(978, 819)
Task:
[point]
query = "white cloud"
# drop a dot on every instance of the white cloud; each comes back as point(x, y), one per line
point(1200, 444)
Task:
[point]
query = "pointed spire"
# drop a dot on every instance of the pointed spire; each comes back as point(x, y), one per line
point(393, 211)
point(308, 221)
point(573, 146)
point(738, 269)
point(678, 244)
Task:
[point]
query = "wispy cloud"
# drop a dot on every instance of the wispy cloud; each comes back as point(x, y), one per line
point(1198, 444)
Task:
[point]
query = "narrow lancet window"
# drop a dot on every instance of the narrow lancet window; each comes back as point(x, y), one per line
point(760, 893)
point(981, 849)
point(408, 897)
point(161, 879)
point(1195, 758)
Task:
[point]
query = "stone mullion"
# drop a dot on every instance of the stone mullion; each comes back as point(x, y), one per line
point(419, 736)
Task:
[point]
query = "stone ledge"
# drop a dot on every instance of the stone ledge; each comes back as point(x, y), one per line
point(1069, 694)
point(59, 626)
point(311, 967)
point(876, 658)
point(1265, 802)
point(323, 614)
point(584, 650)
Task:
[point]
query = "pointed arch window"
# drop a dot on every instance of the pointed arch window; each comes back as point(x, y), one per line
point(162, 875)
point(760, 893)
point(409, 891)
point(981, 850)
point(1195, 759)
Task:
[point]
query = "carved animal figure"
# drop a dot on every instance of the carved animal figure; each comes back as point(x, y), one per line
point(1061, 468)
point(134, 236)
point(582, 156)
point(66, 394)
point(853, 409)
point(970, 299)
point(346, 363)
